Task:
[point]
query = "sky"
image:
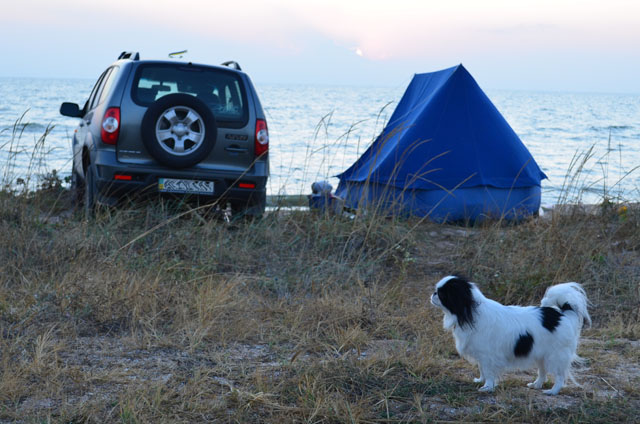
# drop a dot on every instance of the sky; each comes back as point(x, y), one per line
point(549, 45)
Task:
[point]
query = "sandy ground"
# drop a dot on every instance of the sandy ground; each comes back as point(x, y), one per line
point(106, 367)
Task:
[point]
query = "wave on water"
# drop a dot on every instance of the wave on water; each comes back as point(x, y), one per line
point(30, 127)
point(611, 128)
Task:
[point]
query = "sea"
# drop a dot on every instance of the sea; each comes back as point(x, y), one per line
point(588, 144)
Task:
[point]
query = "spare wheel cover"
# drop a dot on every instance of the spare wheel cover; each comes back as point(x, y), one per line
point(179, 130)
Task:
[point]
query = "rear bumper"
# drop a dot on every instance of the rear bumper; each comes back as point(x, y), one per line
point(144, 180)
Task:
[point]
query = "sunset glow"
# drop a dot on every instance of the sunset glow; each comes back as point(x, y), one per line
point(568, 35)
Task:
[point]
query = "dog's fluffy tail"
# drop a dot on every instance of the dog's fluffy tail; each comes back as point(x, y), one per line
point(568, 296)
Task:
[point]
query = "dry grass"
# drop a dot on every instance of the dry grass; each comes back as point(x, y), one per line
point(296, 317)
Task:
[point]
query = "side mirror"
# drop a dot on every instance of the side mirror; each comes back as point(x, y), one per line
point(70, 109)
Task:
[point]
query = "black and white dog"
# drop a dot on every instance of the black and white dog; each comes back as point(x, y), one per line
point(499, 338)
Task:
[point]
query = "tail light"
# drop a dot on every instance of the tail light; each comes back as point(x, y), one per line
point(111, 126)
point(262, 138)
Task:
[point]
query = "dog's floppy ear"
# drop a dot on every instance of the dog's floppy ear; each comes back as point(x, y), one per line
point(456, 295)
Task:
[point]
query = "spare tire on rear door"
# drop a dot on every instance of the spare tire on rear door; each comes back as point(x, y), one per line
point(179, 130)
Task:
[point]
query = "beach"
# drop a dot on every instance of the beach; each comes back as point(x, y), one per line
point(586, 142)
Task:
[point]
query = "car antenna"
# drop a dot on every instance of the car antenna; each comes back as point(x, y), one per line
point(177, 55)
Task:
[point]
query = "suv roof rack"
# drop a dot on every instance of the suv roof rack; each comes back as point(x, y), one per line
point(232, 64)
point(129, 55)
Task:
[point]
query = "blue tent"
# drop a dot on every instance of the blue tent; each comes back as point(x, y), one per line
point(446, 153)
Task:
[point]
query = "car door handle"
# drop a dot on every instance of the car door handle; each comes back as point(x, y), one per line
point(236, 149)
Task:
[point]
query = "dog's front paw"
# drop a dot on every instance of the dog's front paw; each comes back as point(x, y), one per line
point(478, 380)
point(534, 385)
point(486, 388)
point(550, 392)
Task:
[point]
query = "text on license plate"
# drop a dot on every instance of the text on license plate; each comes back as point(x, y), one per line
point(173, 185)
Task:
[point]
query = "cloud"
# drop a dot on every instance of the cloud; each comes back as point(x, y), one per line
point(311, 37)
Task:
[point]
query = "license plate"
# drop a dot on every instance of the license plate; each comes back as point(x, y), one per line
point(173, 185)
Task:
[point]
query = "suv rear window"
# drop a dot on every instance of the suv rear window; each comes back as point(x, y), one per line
point(222, 91)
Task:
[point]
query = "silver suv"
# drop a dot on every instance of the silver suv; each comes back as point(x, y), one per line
point(171, 127)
